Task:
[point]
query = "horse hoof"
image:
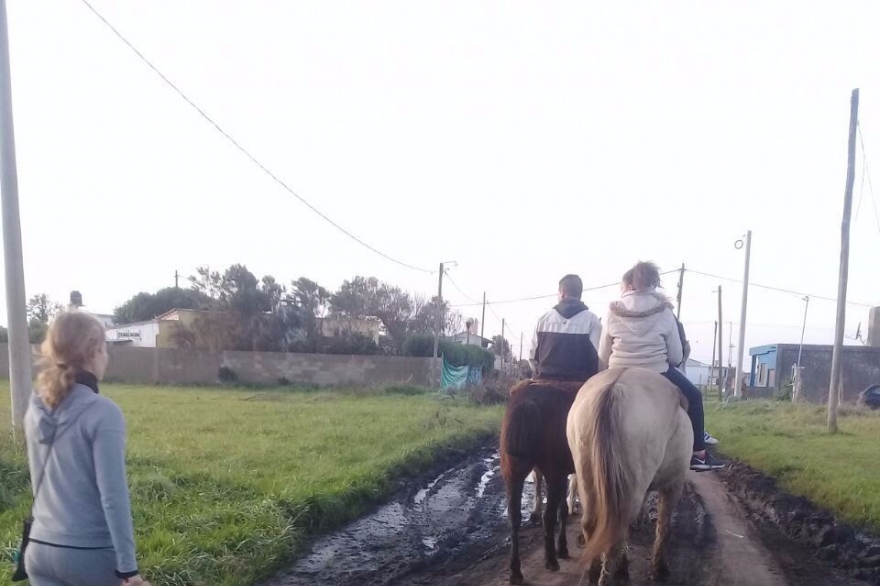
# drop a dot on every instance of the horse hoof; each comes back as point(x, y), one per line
point(660, 573)
point(536, 519)
point(517, 578)
point(552, 565)
point(563, 553)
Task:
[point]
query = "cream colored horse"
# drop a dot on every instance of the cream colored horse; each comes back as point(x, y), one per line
point(628, 435)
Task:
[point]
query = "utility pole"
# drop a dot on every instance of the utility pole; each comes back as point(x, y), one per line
point(803, 329)
point(16, 302)
point(721, 348)
point(176, 279)
point(483, 319)
point(438, 325)
point(730, 343)
point(520, 346)
point(835, 389)
point(742, 319)
point(680, 287)
point(712, 363)
point(503, 323)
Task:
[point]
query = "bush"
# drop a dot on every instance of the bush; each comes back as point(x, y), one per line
point(422, 345)
point(353, 344)
point(227, 375)
point(283, 382)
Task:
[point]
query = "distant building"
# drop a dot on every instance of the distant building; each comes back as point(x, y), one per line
point(470, 336)
point(335, 326)
point(702, 374)
point(155, 333)
point(772, 368)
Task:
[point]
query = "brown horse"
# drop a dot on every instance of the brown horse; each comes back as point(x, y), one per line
point(629, 433)
point(533, 437)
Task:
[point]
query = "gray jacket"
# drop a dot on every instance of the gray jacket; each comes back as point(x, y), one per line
point(83, 501)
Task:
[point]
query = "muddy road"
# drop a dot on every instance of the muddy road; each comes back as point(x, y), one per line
point(451, 531)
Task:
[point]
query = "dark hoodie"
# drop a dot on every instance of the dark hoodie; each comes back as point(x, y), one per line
point(565, 342)
point(83, 501)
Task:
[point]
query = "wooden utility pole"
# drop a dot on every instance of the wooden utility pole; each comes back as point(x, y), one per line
point(678, 296)
point(737, 386)
point(712, 363)
point(438, 326)
point(483, 319)
point(520, 346)
point(721, 379)
point(20, 353)
point(176, 280)
point(503, 324)
point(836, 387)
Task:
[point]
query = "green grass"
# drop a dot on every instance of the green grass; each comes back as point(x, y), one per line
point(840, 472)
point(227, 483)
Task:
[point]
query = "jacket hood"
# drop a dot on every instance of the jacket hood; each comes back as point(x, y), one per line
point(639, 310)
point(52, 422)
point(568, 308)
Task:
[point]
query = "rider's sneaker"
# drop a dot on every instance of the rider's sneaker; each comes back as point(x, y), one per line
point(707, 462)
point(709, 440)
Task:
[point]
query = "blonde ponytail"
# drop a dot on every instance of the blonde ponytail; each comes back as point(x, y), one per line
point(71, 344)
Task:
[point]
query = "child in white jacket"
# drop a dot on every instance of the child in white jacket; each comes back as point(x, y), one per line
point(640, 330)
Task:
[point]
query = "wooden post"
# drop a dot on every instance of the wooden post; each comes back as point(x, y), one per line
point(721, 379)
point(483, 319)
point(836, 387)
point(797, 390)
point(438, 326)
point(712, 363)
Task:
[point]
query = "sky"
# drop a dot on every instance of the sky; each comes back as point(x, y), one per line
point(522, 140)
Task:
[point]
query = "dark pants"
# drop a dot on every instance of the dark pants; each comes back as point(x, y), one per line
point(695, 404)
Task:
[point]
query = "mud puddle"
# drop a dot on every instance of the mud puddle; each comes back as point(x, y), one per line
point(460, 510)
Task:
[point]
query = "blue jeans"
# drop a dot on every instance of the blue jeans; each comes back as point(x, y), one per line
point(695, 404)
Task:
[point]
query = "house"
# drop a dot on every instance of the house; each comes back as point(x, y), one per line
point(155, 333)
point(702, 374)
point(470, 336)
point(335, 326)
point(772, 368)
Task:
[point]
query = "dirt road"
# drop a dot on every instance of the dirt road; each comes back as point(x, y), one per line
point(452, 531)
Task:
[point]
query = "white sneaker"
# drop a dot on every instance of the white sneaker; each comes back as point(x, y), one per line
point(709, 440)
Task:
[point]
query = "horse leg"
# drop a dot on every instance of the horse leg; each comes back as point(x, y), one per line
point(615, 568)
point(562, 543)
point(535, 517)
point(665, 506)
point(555, 497)
point(572, 493)
point(514, 511)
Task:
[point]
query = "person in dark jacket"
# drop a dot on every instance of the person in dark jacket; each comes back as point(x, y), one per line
point(566, 339)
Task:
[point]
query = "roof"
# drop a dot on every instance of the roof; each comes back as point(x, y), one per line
point(858, 348)
point(695, 363)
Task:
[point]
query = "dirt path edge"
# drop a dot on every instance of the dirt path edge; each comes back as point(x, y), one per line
point(855, 552)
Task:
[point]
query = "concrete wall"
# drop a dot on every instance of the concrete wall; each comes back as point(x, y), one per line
point(175, 366)
point(861, 368)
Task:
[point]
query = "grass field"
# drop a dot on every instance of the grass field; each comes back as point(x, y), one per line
point(840, 472)
point(226, 483)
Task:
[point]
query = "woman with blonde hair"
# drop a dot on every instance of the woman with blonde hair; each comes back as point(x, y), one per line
point(81, 534)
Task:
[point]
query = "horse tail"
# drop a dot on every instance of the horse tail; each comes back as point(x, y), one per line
point(608, 512)
point(522, 433)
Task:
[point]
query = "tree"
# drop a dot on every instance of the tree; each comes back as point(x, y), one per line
point(425, 319)
point(498, 343)
point(40, 311)
point(244, 313)
point(311, 302)
point(147, 306)
point(364, 297)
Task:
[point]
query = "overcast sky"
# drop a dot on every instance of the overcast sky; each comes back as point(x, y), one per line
point(522, 140)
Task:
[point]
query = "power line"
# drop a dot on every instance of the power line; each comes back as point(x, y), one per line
point(779, 289)
point(466, 296)
point(244, 151)
point(866, 173)
point(552, 295)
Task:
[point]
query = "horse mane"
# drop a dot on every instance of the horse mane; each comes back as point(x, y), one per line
point(611, 483)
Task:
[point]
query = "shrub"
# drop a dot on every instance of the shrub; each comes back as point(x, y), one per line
point(354, 344)
point(226, 375)
point(455, 354)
